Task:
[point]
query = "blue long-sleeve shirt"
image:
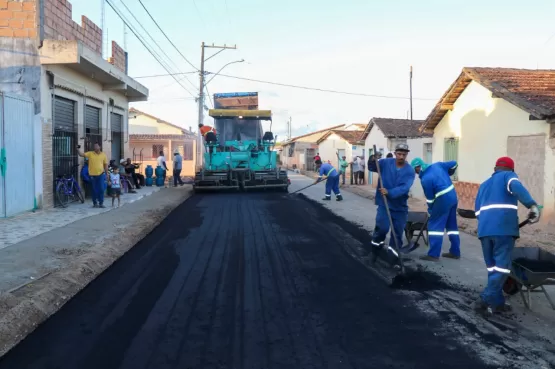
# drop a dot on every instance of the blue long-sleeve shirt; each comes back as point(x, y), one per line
point(437, 184)
point(397, 182)
point(496, 204)
point(327, 169)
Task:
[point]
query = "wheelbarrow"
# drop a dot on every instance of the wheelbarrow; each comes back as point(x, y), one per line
point(532, 270)
point(417, 221)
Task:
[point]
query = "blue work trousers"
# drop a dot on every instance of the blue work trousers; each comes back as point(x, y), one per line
point(497, 255)
point(382, 228)
point(332, 184)
point(444, 218)
point(98, 189)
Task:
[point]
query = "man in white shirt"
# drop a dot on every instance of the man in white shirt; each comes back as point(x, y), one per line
point(161, 161)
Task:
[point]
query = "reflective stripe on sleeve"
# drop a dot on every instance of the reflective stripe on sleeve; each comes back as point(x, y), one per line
point(496, 206)
point(509, 185)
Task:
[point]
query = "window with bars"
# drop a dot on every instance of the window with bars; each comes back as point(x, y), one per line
point(156, 150)
point(188, 150)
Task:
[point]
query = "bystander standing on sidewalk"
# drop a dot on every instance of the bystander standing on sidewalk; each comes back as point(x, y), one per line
point(355, 168)
point(161, 161)
point(98, 172)
point(114, 184)
point(177, 166)
point(342, 167)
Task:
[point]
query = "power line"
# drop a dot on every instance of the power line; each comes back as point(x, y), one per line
point(155, 42)
point(325, 90)
point(164, 75)
point(164, 33)
point(157, 58)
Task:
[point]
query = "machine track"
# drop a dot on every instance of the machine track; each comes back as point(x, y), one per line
point(233, 280)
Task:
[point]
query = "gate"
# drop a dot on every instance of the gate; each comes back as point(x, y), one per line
point(64, 140)
point(17, 172)
point(93, 131)
point(309, 160)
point(117, 136)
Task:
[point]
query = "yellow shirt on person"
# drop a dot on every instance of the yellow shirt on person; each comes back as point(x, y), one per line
point(96, 162)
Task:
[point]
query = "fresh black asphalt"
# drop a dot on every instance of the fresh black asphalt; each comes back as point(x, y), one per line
point(234, 280)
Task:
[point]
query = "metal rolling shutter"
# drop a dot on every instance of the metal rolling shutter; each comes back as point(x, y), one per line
point(92, 119)
point(64, 114)
point(116, 122)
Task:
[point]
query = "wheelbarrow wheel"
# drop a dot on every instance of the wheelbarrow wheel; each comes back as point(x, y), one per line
point(511, 286)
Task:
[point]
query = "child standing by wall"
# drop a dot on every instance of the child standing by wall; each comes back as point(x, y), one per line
point(114, 183)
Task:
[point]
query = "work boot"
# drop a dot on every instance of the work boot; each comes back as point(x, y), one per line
point(101, 206)
point(450, 256)
point(506, 307)
point(95, 205)
point(326, 198)
point(428, 258)
point(339, 198)
point(479, 305)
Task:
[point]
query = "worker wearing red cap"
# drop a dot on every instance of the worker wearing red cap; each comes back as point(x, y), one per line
point(497, 212)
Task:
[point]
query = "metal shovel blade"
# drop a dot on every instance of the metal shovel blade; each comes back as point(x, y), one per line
point(410, 247)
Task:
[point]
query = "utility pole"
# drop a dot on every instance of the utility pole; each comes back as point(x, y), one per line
point(201, 90)
point(411, 92)
point(289, 128)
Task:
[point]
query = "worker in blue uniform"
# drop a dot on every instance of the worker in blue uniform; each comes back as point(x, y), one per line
point(332, 184)
point(442, 201)
point(397, 176)
point(496, 208)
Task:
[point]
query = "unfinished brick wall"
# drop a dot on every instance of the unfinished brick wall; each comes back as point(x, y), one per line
point(466, 192)
point(58, 25)
point(18, 18)
point(118, 56)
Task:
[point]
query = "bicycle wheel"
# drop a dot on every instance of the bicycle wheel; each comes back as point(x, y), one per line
point(77, 192)
point(61, 194)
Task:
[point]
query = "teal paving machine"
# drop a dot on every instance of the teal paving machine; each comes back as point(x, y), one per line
point(241, 157)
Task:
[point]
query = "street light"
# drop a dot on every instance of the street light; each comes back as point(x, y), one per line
point(222, 68)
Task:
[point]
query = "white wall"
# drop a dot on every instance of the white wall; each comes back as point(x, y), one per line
point(483, 124)
point(146, 125)
point(328, 149)
point(376, 137)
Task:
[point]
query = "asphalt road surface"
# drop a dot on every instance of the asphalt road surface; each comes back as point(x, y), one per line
point(241, 281)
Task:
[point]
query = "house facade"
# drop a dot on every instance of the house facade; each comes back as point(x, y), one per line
point(148, 135)
point(345, 142)
point(386, 133)
point(488, 113)
point(57, 92)
point(298, 152)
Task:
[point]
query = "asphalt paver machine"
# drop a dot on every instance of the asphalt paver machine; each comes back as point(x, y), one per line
point(241, 156)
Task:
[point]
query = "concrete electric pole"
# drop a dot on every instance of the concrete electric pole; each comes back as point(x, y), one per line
point(411, 92)
point(201, 91)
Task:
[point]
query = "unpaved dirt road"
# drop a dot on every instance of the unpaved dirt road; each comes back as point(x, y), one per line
point(242, 281)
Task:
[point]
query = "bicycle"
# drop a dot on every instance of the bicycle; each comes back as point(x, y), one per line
point(68, 188)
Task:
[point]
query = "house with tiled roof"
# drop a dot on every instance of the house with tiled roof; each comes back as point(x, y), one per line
point(386, 133)
point(298, 152)
point(148, 135)
point(345, 142)
point(487, 113)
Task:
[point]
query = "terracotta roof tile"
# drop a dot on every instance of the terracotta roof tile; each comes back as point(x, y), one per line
point(396, 128)
point(154, 137)
point(352, 137)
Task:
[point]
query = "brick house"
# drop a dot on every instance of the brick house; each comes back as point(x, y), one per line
point(59, 93)
point(487, 113)
point(148, 135)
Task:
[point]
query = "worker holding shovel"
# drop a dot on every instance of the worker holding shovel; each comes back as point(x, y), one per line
point(496, 208)
point(396, 179)
point(332, 180)
point(442, 206)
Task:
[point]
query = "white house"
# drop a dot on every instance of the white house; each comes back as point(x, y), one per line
point(492, 112)
point(386, 133)
point(343, 142)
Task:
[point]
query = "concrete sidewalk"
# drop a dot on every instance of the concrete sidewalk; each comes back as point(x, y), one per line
point(32, 224)
point(468, 274)
point(41, 273)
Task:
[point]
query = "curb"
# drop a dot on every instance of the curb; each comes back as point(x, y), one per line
point(30, 307)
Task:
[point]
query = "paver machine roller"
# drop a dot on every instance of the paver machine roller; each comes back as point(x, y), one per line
point(241, 156)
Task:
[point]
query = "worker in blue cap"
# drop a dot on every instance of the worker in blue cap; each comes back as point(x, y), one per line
point(496, 208)
point(442, 201)
point(332, 184)
point(397, 176)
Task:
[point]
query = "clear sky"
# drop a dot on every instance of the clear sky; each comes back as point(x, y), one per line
point(363, 46)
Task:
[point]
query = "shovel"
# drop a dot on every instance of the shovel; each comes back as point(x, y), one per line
point(310, 185)
point(414, 245)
